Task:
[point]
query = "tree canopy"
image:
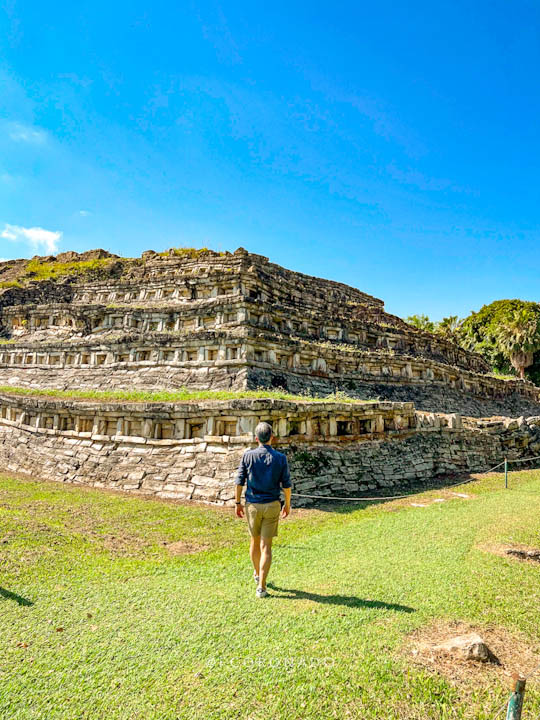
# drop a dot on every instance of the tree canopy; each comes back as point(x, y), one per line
point(505, 332)
point(502, 330)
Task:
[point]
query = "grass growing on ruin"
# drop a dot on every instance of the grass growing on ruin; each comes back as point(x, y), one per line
point(502, 376)
point(181, 395)
point(190, 253)
point(101, 619)
point(9, 284)
point(52, 270)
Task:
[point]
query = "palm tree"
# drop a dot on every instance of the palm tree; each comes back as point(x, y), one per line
point(519, 337)
point(448, 326)
point(422, 322)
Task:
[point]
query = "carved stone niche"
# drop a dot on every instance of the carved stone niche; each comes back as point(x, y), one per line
point(196, 428)
point(85, 424)
point(133, 427)
point(163, 430)
point(66, 423)
point(296, 426)
point(226, 426)
point(345, 426)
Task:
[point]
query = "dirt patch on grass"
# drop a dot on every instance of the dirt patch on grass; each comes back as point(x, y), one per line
point(513, 551)
point(512, 650)
point(185, 547)
point(119, 545)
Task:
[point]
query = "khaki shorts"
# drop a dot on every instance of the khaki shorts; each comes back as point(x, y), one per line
point(263, 518)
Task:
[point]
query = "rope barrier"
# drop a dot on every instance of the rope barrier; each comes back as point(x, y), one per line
point(533, 672)
point(494, 468)
point(503, 707)
point(525, 459)
point(386, 497)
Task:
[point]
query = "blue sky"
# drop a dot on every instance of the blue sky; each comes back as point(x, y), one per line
point(393, 146)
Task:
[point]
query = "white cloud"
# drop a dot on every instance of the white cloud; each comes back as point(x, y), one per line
point(84, 213)
point(26, 133)
point(38, 238)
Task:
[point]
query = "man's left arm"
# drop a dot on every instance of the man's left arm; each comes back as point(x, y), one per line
point(238, 501)
point(287, 506)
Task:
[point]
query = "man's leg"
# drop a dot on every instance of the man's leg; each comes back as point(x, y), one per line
point(266, 560)
point(255, 553)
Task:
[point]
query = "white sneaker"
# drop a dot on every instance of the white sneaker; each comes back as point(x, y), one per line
point(261, 592)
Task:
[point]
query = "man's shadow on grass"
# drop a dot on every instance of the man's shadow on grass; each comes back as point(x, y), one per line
point(346, 600)
point(8, 595)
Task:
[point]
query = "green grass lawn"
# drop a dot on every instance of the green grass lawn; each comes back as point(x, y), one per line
point(123, 608)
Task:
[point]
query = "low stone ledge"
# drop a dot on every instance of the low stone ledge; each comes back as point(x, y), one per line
point(62, 439)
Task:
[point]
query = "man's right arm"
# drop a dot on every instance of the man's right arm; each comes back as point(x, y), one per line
point(286, 485)
point(241, 477)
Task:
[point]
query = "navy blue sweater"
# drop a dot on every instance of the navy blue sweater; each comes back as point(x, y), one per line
point(266, 471)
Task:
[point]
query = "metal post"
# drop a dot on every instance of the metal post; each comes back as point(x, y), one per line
point(515, 704)
point(505, 472)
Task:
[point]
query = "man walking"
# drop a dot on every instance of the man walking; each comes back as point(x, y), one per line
point(266, 472)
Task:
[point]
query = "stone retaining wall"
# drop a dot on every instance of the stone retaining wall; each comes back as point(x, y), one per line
point(222, 360)
point(189, 451)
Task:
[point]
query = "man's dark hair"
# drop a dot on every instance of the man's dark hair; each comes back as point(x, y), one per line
point(263, 432)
